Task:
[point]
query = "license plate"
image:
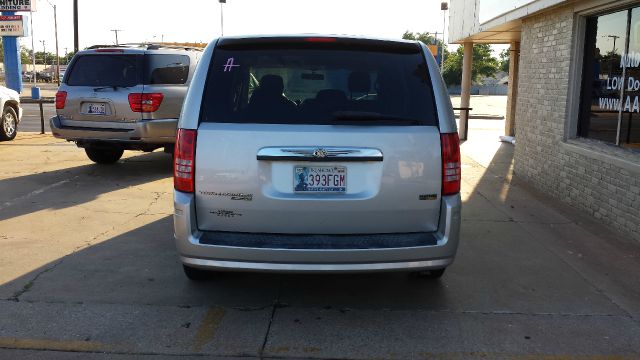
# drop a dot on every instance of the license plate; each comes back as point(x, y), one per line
point(320, 179)
point(97, 109)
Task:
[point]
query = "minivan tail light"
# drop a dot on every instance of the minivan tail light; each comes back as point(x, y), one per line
point(140, 102)
point(184, 160)
point(451, 170)
point(61, 99)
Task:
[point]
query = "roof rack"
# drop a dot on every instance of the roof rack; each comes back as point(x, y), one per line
point(147, 46)
point(92, 47)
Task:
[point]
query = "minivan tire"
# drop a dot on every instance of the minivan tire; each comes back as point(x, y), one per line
point(104, 155)
point(196, 274)
point(8, 124)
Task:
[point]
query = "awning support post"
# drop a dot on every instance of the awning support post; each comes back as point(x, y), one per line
point(512, 96)
point(465, 95)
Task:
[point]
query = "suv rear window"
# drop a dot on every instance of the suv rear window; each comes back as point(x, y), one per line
point(318, 85)
point(105, 70)
point(126, 70)
point(166, 69)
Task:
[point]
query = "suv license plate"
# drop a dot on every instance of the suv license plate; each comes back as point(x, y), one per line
point(307, 179)
point(97, 109)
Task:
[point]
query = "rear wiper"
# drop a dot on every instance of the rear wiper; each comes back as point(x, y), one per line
point(371, 116)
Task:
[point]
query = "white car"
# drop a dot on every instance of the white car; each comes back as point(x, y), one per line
point(11, 113)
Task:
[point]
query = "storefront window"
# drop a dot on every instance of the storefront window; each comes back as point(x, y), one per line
point(610, 109)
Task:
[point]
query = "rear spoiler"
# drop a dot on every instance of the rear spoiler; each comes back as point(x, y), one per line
point(319, 42)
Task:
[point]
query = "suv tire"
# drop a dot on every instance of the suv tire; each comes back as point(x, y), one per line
point(429, 274)
point(8, 124)
point(103, 155)
point(196, 274)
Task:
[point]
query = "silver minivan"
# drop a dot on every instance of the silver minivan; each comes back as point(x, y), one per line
point(317, 154)
point(126, 97)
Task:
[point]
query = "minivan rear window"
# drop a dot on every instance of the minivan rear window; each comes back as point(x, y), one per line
point(106, 70)
point(323, 85)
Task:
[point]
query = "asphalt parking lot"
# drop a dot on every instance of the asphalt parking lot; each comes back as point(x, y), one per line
point(88, 270)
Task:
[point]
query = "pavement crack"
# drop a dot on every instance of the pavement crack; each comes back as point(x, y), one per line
point(253, 308)
point(16, 296)
point(156, 197)
point(275, 306)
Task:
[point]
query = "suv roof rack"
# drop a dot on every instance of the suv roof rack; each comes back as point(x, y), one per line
point(148, 46)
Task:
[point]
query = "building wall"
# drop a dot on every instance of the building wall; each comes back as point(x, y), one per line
point(464, 15)
point(600, 179)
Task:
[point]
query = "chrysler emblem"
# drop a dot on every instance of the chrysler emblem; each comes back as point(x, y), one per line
point(320, 153)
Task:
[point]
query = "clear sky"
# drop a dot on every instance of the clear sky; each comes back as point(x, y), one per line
point(199, 20)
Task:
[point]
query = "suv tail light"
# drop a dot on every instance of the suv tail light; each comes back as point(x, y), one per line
point(184, 160)
point(140, 102)
point(61, 99)
point(451, 174)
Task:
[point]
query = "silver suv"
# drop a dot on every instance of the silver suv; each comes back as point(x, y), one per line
point(123, 98)
point(317, 154)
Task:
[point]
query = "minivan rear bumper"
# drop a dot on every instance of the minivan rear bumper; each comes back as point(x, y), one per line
point(158, 131)
point(196, 252)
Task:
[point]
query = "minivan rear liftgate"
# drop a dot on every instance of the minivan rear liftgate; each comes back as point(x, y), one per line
point(249, 179)
point(287, 102)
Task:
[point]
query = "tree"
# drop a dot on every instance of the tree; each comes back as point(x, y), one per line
point(67, 58)
point(425, 37)
point(484, 64)
point(25, 55)
point(504, 60)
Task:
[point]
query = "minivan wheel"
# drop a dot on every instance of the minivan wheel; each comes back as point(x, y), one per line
point(9, 126)
point(429, 274)
point(196, 274)
point(104, 155)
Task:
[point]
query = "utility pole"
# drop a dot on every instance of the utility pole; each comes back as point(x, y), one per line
point(55, 21)
point(116, 32)
point(76, 41)
point(33, 48)
point(44, 50)
point(613, 51)
point(615, 38)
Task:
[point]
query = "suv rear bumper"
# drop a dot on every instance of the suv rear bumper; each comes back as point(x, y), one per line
point(195, 252)
point(159, 131)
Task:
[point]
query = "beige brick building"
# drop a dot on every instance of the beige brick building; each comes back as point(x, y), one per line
point(574, 103)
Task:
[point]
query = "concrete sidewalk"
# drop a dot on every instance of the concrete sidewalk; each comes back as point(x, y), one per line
point(88, 270)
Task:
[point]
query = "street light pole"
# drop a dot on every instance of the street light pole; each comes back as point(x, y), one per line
point(222, 17)
point(444, 6)
point(76, 40)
